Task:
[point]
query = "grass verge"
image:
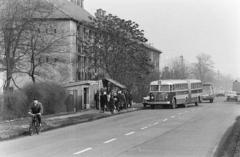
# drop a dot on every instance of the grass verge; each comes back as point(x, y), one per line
point(230, 143)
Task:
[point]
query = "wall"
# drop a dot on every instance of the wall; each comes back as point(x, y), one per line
point(76, 93)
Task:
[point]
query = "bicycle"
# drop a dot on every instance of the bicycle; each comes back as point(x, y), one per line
point(34, 126)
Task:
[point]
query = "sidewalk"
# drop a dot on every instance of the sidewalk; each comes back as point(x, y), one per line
point(19, 127)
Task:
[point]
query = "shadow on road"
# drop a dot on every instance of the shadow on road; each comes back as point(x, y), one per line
point(169, 107)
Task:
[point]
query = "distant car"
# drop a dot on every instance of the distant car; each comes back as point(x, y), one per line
point(208, 92)
point(231, 96)
point(220, 93)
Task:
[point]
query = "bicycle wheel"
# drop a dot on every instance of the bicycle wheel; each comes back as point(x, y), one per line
point(31, 129)
point(37, 127)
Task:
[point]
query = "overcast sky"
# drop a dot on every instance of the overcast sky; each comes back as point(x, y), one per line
point(185, 27)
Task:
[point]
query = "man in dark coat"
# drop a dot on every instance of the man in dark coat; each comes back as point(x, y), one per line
point(96, 98)
point(36, 108)
point(103, 100)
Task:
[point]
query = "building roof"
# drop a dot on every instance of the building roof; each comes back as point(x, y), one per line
point(68, 10)
point(116, 83)
point(80, 83)
point(152, 48)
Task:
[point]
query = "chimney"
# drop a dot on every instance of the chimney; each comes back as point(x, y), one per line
point(100, 13)
point(78, 2)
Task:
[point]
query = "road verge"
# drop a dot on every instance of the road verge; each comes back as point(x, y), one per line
point(19, 128)
point(230, 143)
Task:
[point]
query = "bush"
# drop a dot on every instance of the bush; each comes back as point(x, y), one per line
point(15, 105)
point(50, 94)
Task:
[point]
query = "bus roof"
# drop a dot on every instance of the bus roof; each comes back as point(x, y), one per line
point(168, 82)
point(171, 82)
point(194, 81)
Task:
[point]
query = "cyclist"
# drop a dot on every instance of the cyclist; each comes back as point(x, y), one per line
point(36, 108)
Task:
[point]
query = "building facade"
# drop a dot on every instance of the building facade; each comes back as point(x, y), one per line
point(70, 18)
point(74, 19)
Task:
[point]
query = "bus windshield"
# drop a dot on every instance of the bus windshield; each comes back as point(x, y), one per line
point(154, 88)
point(165, 88)
point(207, 89)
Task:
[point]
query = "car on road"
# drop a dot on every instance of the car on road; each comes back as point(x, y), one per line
point(231, 96)
point(208, 92)
point(219, 93)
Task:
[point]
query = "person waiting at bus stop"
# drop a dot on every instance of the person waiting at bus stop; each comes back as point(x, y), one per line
point(96, 98)
point(103, 100)
point(122, 100)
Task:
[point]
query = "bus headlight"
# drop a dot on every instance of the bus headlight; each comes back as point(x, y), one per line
point(166, 97)
point(152, 98)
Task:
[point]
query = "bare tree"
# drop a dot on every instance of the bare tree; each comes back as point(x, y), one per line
point(177, 69)
point(29, 39)
point(45, 46)
point(203, 69)
point(16, 19)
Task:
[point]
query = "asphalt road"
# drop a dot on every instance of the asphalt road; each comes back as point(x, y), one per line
point(182, 132)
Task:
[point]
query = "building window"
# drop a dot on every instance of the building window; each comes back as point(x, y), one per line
point(78, 76)
point(40, 60)
point(47, 59)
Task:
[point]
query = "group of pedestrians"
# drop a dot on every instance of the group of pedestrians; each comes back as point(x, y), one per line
point(113, 100)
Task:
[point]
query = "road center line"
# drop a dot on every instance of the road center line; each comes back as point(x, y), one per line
point(172, 116)
point(156, 123)
point(111, 140)
point(165, 120)
point(144, 128)
point(82, 151)
point(130, 133)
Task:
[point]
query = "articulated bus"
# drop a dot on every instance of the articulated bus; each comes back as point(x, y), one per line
point(174, 93)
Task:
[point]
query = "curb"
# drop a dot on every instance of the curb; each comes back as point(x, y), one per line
point(25, 133)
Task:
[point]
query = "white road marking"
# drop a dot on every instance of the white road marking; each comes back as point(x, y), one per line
point(172, 116)
point(144, 128)
point(111, 140)
point(165, 120)
point(130, 133)
point(156, 123)
point(82, 151)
